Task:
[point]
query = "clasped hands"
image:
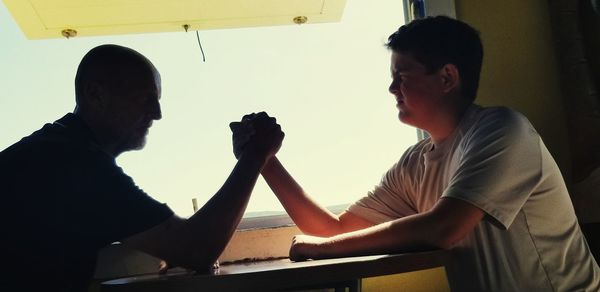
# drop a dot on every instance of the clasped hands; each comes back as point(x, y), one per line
point(257, 135)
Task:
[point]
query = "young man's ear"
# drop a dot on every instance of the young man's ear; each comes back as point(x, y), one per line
point(450, 77)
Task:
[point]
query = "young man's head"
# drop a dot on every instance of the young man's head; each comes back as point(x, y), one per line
point(436, 63)
point(117, 92)
point(440, 40)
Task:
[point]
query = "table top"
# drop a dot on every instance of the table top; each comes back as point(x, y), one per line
point(281, 273)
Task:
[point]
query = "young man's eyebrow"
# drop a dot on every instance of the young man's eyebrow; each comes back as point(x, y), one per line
point(396, 70)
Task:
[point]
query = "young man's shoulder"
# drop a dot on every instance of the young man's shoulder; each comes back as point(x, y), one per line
point(497, 126)
point(500, 114)
point(498, 118)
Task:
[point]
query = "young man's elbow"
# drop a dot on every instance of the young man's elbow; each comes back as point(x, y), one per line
point(446, 238)
point(444, 243)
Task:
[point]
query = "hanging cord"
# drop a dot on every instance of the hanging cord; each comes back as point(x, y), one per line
point(200, 45)
point(186, 27)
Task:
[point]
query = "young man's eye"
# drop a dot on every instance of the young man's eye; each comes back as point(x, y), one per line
point(396, 76)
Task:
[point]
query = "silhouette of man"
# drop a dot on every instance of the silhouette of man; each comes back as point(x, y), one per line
point(64, 198)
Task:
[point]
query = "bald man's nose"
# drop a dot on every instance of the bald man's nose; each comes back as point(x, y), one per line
point(155, 111)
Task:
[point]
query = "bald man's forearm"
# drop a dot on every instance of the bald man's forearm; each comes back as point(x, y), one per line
point(197, 242)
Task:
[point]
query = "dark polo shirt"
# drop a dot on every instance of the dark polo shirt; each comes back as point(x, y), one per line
point(62, 199)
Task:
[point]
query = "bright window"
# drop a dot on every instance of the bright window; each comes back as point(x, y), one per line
point(325, 83)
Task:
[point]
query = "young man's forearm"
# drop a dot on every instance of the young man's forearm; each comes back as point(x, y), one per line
point(448, 222)
point(308, 215)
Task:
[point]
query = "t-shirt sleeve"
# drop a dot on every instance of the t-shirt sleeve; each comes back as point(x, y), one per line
point(111, 207)
point(388, 200)
point(500, 165)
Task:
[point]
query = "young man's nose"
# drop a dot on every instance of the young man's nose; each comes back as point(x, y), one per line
point(394, 87)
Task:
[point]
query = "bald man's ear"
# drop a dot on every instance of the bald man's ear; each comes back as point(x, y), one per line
point(450, 77)
point(95, 95)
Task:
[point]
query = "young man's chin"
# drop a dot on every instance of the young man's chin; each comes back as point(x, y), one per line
point(407, 120)
point(404, 118)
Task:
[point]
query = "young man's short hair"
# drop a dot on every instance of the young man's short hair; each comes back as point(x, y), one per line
point(440, 40)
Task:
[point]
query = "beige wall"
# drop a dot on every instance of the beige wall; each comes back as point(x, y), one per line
point(520, 67)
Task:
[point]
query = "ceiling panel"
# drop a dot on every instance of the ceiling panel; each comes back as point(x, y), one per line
point(50, 18)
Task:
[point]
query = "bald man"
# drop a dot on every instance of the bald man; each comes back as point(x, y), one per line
point(64, 197)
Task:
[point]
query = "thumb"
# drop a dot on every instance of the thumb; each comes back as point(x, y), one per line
point(235, 126)
point(241, 127)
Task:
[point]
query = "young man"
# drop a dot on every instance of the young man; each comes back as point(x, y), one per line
point(483, 184)
point(64, 198)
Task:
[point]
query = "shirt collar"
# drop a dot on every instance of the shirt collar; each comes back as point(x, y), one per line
point(73, 124)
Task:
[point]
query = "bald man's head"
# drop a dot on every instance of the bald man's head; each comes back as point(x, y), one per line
point(117, 92)
point(111, 67)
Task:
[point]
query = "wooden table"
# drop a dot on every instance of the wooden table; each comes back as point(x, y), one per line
point(282, 274)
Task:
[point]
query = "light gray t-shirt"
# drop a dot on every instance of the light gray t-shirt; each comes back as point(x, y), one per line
point(529, 239)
